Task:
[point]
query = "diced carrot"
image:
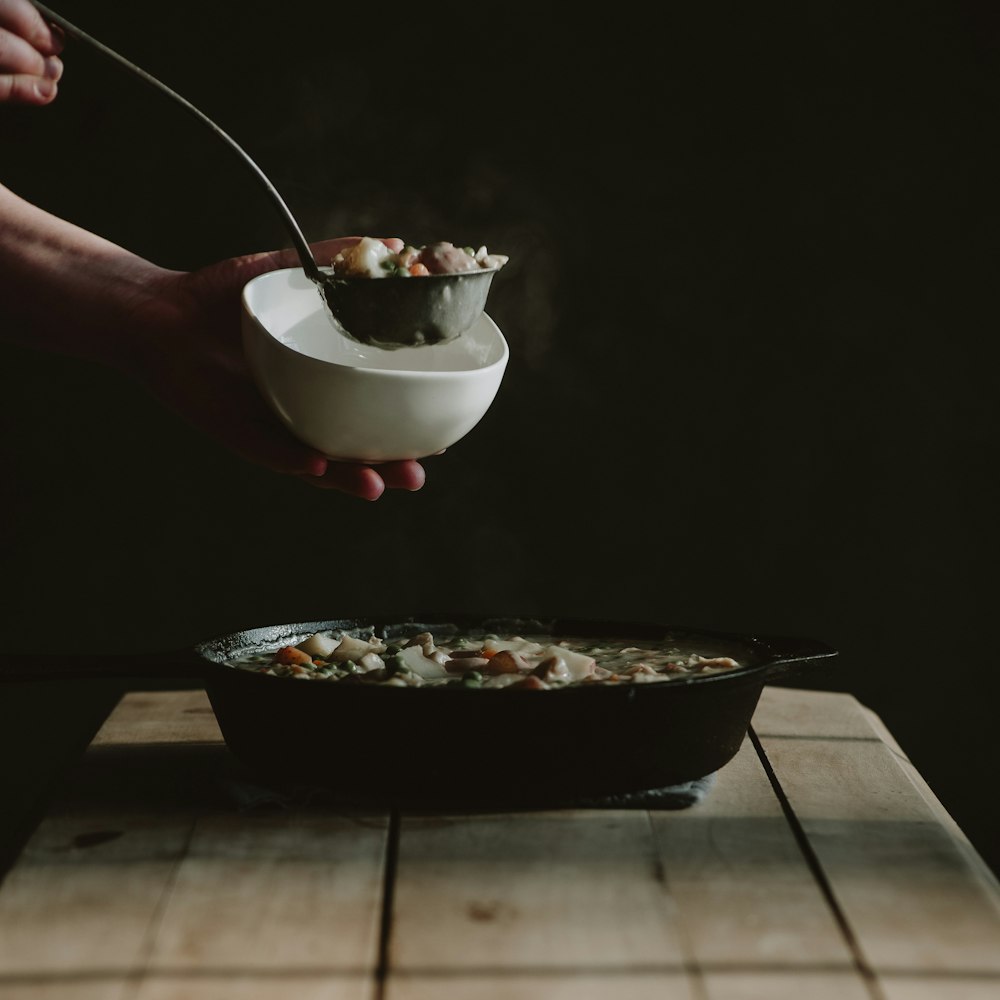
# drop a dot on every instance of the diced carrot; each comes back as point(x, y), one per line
point(418, 270)
point(289, 655)
point(489, 653)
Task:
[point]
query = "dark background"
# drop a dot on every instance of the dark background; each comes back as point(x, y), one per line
point(751, 308)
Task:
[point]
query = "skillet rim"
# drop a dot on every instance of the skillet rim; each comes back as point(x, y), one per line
point(213, 652)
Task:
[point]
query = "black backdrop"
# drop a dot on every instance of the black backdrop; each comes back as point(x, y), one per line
point(751, 310)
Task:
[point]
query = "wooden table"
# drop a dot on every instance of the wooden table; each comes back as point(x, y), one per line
point(820, 866)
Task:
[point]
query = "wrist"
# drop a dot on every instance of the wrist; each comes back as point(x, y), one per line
point(67, 290)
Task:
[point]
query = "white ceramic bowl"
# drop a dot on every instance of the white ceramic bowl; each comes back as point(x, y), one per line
point(360, 403)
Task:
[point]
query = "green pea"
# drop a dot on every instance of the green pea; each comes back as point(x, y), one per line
point(396, 667)
point(392, 650)
point(349, 667)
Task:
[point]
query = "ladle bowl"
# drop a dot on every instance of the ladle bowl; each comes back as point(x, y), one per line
point(408, 312)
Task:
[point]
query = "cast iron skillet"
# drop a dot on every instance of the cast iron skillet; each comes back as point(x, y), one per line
point(460, 745)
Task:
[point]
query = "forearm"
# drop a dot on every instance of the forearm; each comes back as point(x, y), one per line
point(67, 290)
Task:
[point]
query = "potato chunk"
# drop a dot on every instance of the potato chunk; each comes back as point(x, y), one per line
point(319, 645)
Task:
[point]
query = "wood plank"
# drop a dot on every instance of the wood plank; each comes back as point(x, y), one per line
point(79, 902)
point(939, 988)
point(786, 712)
point(635, 986)
point(904, 884)
point(193, 987)
point(145, 860)
point(150, 717)
point(798, 985)
point(256, 987)
point(291, 891)
point(740, 985)
point(572, 890)
point(745, 893)
point(569, 890)
point(113, 988)
point(974, 859)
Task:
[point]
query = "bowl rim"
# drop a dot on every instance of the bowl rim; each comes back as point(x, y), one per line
point(501, 362)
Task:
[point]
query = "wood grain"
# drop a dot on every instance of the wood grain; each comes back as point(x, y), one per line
point(787, 712)
point(145, 883)
point(109, 988)
point(79, 903)
point(292, 891)
point(976, 864)
point(151, 717)
point(904, 884)
point(146, 863)
point(940, 988)
point(291, 986)
point(568, 890)
point(745, 893)
point(798, 985)
point(634, 986)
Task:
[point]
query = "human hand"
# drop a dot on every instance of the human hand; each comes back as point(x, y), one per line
point(187, 350)
point(30, 66)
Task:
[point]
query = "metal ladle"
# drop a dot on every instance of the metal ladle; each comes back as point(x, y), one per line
point(385, 313)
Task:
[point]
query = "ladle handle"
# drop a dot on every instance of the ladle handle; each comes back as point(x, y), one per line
point(299, 241)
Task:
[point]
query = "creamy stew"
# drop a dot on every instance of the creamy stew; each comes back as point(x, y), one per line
point(484, 660)
point(371, 258)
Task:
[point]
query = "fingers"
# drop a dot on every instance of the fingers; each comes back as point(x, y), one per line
point(325, 250)
point(29, 67)
point(24, 89)
point(402, 475)
point(257, 263)
point(21, 18)
point(360, 481)
point(369, 482)
point(224, 403)
point(229, 276)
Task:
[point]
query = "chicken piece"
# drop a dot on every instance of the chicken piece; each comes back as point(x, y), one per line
point(719, 662)
point(570, 665)
point(423, 666)
point(446, 258)
point(350, 648)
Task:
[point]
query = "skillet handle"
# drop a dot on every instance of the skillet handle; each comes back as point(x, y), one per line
point(96, 666)
point(787, 653)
